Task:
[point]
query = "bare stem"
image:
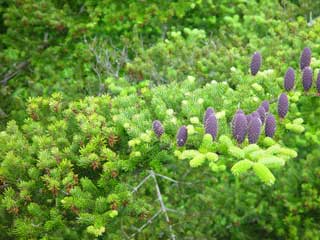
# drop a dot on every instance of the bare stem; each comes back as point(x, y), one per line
point(162, 205)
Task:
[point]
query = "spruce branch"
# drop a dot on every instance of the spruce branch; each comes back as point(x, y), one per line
point(17, 68)
point(150, 220)
point(163, 209)
point(141, 183)
point(162, 205)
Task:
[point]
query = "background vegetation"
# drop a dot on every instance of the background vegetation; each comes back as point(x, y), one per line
point(81, 83)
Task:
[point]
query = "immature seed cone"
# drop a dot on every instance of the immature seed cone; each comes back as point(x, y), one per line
point(207, 114)
point(182, 136)
point(318, 83)
point(289, 79)
point(307, 78)
point(239, 127)
point(283, 105)
point(305, 58)
point(256, 61)
point(239, 111)
point(256, 114)
point(254, 130)
point(262, 113)
point(265, 105)
point(211, 126)
point(270, 127)
point(249, 116)
point(157, 128)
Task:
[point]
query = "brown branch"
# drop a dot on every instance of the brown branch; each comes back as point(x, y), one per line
point(22, 65)
point(12, 73)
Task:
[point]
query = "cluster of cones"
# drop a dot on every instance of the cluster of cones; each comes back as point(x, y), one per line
point(250, 125)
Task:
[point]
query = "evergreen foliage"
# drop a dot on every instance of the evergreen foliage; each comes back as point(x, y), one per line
point(153, 120)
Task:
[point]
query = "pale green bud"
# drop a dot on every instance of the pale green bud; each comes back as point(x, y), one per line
point(267, 141)
point(186, 154)
point(257, 87)
point(170, 112)
point(191, 130)
point(113, 213)
point(191, 79)
point(236, 152)
point(145, 137)
point(298, 121)
point(194, 120)
point(177, 154)
point(197, 160)
point(295, 127)
point(212, 156)
point(220, 115)
point(200, 101)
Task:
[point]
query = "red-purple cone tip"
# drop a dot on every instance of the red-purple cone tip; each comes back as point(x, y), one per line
point(318, 83)
point(289, 79)
point(265, 105)
point(283, 105)
point(270, 127)
point(254, 130)
point(157, 128)
point(307, 78)
point(256, 61)
point(262, 113)
point(182, 136)
point(305, 58)
point(239, 127)
point(207, 114)
point(211, 126)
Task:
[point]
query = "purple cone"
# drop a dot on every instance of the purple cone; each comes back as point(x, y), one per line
point(255, 63)
point(283, 105)
point(262, 113)
point(239, 111)
point(211, 126)
point(307, 78)
point(270, 127)
point(157, 128)
point(249, 116)
point(305, 58)
point(182, 136)
point(318, 83)
point(239, 127)
point(254, 130)
point(255, 114)
point(289, 79)
point(265, 105)
point(207, 114)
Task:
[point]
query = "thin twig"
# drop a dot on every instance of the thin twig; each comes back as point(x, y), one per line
point(167, 178)
point(141, 183)
point(163, 208)
point(147, 223)
point(12, 73)
point(162, 205)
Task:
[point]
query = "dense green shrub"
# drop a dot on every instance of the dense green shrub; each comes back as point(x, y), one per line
point(75, 167)
point(43, 47)
point(86, 156)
